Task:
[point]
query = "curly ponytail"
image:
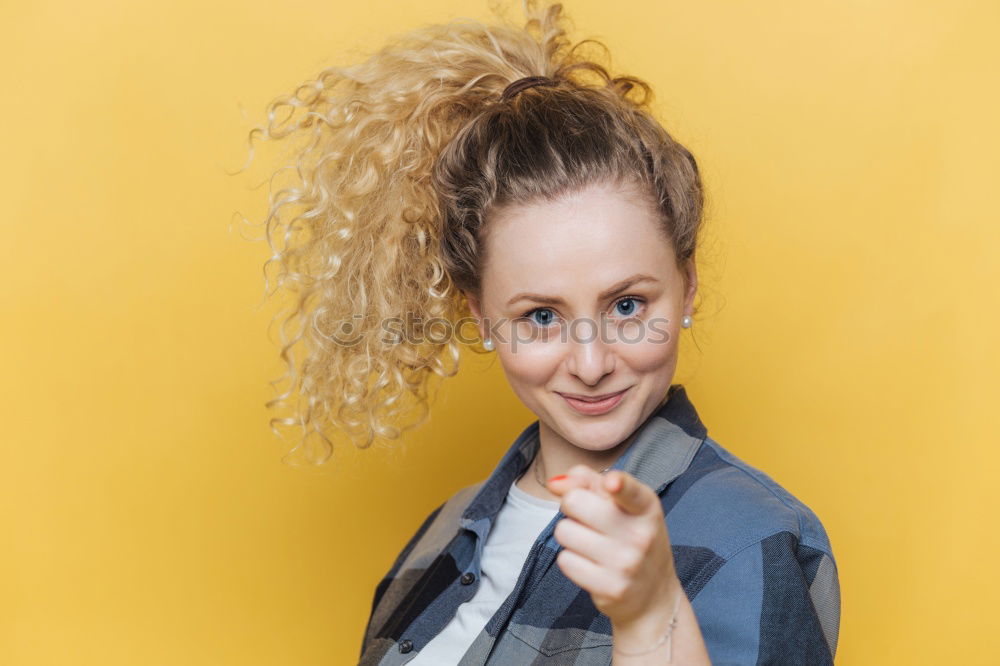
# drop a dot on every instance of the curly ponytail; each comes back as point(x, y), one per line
point(404, 157)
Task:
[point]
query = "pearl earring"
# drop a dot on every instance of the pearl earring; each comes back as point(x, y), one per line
point(488, 344)
point(686, 321)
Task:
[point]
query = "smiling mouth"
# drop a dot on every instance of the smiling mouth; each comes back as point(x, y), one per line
point(596, 405)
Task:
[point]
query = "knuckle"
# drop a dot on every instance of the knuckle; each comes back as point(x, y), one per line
point(571, 498)
point(630, 561)
point(643, 536)
point(618, 591)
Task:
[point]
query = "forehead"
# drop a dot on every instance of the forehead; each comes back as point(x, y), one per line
point(582, 242)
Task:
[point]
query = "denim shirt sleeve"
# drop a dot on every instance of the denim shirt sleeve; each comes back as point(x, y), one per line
point(775, 601)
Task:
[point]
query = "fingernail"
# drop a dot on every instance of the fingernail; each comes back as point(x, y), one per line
point(557, 478)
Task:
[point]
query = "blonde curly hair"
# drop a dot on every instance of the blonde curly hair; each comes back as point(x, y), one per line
point(403, 160)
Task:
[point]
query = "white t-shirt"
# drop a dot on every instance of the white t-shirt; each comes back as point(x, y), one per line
point(521, 519)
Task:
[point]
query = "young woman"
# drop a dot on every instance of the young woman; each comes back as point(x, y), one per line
point(495, 173)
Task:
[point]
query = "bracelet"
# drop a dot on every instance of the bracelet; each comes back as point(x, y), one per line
point(663, 639)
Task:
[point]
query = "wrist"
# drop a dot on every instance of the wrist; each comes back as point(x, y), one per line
point(650, 628)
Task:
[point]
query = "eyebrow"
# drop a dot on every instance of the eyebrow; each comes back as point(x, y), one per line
point(604, 295)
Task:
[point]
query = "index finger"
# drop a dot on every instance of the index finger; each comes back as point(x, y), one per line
point(628, 492)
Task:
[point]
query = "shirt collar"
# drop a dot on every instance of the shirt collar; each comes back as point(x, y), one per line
point(662, 449)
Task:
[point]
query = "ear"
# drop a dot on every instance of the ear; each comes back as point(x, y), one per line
point(476, 310)
point(473, 304)
point(691, 272)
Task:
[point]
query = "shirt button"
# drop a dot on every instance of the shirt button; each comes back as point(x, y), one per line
point(468, 577)
point(405, 645)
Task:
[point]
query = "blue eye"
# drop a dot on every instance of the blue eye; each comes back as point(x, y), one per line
point(545, 321)
point(630, 303)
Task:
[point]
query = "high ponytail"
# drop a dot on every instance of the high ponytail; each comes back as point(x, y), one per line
point(402, 159)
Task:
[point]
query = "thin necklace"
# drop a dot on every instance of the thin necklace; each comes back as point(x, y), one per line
point(541, 480)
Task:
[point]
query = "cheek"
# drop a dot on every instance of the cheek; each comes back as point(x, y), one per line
point(529, 365)
point(649, 356)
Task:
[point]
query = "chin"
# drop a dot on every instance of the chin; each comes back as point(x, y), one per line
point(596, 436)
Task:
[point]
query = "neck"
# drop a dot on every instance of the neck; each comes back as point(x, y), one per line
point(556, 456)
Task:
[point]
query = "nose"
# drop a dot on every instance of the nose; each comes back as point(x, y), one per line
point(589, 357)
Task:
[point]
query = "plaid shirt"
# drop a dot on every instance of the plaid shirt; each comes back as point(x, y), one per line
point(755, 562)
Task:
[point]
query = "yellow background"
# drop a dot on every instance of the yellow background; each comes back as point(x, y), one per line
point(845, 343)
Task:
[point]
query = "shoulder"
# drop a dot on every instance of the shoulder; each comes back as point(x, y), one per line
point(727, 504)
point(756, 562)
point(437, 529)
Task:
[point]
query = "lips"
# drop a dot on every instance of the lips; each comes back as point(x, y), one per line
point(596, 398)
point(596, 405)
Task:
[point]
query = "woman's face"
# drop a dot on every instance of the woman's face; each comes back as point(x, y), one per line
point(583, 297)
